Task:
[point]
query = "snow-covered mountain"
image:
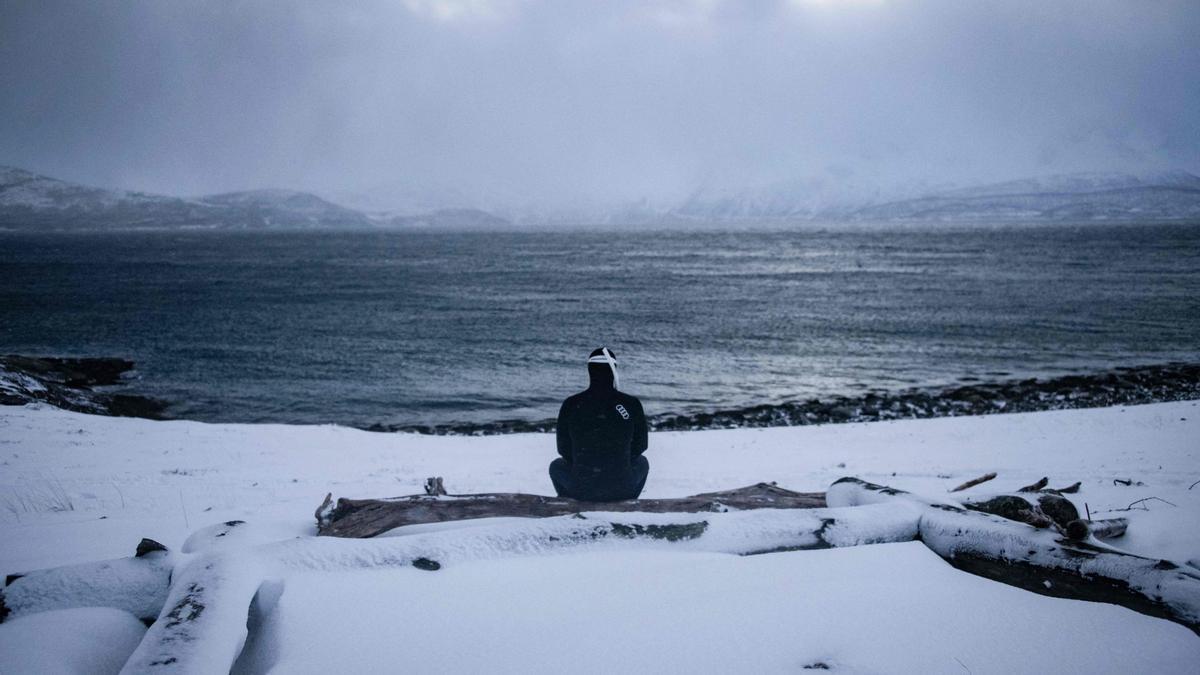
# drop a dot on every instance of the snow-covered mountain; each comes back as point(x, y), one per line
point(1171, 195)
point(29, 201)
point(1081, 183)
point(32, 202)
point(283, 209)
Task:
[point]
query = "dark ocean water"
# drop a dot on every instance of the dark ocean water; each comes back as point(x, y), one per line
point(435, 328)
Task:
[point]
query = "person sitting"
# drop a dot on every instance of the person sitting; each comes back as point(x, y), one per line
point(601, 437)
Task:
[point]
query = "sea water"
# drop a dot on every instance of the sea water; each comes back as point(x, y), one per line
point(394, 327)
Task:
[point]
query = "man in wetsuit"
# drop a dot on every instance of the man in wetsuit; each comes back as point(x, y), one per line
point(601, 437)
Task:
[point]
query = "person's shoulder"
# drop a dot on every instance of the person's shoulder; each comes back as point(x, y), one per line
point(630, 400)
point(573, 399)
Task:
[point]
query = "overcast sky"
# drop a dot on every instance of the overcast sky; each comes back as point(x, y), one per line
point(559, 101)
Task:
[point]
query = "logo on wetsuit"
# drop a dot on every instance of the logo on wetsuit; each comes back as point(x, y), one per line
point(624, 413)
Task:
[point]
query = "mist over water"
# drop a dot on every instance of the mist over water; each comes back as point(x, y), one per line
point(435, 328)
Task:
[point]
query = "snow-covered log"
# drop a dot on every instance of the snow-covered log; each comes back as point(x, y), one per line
point(1041, 560)
point(203, 624)
point(202, 627)
point(360, 518)
point(1044, 562)
point(138, 585)
point(739, 532)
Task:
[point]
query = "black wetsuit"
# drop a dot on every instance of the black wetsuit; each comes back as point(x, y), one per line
point(601, 437)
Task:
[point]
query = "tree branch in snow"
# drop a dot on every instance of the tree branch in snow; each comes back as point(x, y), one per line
point(1143, 503)
point(975, 481)
point(1039, 485)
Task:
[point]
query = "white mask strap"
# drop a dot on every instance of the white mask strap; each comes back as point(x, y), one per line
point(606, 357)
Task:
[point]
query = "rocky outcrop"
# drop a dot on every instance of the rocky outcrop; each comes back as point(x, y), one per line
point(70, 383)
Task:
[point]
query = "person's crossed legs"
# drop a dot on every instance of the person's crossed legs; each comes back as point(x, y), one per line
point(635, 480)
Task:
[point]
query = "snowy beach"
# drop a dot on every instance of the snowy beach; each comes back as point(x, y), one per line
point(665, 336)
point(78, 488)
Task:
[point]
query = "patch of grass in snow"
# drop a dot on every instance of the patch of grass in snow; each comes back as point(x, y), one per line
point(48, 497)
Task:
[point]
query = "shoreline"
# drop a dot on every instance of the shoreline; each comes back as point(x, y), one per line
point(86, 385)
point(1130, 385)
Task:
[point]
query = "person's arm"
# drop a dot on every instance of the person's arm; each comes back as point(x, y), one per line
point(563, 436)
point(641, 434)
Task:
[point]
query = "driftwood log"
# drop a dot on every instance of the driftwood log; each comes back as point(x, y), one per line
point(205, 623)
point(1041, 560)
point(203, 601)
point(990, 537)
point(361, 518)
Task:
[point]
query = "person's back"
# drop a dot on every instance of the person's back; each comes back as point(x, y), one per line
point(601, 437)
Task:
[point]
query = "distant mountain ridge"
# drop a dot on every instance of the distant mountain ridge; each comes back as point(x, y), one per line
point(1171, 195)
point(283, 209)
point(32, 202)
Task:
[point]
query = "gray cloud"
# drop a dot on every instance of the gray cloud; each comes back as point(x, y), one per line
point(560, 102)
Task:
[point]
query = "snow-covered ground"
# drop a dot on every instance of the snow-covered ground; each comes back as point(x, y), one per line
point(77, 488)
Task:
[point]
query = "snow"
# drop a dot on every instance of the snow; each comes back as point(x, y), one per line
point(77, 488)
point(653, 611)
point(87, 641)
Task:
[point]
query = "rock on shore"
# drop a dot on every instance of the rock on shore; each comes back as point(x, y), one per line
point(1122, 386)
point(69, 383)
